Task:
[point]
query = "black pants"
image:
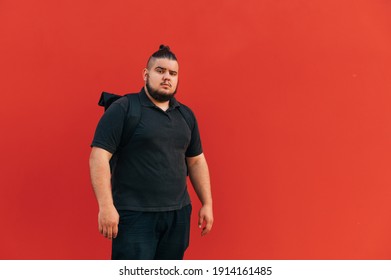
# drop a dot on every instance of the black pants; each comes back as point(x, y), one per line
point(152, 235)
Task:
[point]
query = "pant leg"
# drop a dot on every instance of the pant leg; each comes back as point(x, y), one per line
point(175, 240)
point(137, 238)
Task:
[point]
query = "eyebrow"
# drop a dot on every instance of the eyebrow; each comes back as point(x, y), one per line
point(171, 71)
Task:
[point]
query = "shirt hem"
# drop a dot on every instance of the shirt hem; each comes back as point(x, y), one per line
point(152, 209)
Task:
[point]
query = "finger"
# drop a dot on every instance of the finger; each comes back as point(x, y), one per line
point(200, 221)
point(208, 227)
point(109, 232)
point(115, 231)
point(205, 230)
point(104, 231)
point(100, 228)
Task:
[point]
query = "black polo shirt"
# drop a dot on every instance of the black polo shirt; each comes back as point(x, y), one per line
point(151, 171)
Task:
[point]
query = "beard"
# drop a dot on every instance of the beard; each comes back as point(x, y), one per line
point(159, 95)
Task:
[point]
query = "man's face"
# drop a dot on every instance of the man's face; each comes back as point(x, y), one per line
point(161, 79)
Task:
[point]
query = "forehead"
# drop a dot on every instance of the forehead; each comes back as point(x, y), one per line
point(166, 63)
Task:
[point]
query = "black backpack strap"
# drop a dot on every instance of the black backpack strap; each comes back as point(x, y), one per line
point(133, 117)
point(133, 113)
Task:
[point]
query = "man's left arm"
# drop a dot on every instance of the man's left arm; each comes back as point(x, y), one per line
point(199, 176)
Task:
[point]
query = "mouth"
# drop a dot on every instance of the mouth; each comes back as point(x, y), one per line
point(165, 85)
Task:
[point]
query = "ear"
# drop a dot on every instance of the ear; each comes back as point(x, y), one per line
point(145, 74)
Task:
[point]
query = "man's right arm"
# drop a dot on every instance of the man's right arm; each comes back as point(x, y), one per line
point(108, 216)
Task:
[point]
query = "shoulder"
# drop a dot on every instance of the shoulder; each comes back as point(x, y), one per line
point(186, 109)
point(121, 102)
point(188, 115)
point(117, 109)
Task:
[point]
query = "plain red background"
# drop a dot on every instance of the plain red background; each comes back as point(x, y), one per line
point(292, 98)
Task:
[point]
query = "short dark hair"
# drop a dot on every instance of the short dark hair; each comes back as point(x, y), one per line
point(163, 52)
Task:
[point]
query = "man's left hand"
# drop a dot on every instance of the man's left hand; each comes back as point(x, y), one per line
point(205, 219)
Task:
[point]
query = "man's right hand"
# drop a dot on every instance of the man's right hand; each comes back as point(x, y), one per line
point(108, 219)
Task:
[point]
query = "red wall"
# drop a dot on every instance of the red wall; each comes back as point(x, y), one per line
point(292, 97)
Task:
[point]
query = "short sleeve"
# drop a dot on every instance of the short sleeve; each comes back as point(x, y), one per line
point(108, 132)
point(195, 146)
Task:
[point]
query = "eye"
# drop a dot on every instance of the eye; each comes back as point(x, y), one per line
point(173, 73)
point(160, 70)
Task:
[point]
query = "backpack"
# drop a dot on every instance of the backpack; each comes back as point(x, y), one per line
point(133, 116)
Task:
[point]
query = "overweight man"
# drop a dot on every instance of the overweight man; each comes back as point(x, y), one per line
point(144, 205)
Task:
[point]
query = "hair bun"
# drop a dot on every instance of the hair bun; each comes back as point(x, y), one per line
point(164, 47)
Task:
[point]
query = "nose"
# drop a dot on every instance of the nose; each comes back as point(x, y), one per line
point(166, 76)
